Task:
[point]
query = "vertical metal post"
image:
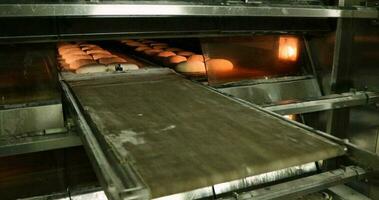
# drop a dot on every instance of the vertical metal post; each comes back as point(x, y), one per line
point(341, 79)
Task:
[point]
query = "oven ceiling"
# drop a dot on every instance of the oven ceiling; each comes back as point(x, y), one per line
point(22, 21)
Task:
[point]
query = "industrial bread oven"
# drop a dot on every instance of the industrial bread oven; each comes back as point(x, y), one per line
point(189, 100)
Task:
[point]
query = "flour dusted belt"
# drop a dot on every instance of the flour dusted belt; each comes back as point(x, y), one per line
point(180, 136)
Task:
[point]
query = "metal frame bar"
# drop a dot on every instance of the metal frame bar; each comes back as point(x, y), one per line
point(305, 185)
point(340, 80)
point(154, 10)
point(328, 102)
point(31, 144)
point(293, 188)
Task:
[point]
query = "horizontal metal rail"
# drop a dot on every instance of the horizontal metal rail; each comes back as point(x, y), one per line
point(326, 103)
point(20, 145)
point(303, 186)
point(156, 10)
point(29, 144)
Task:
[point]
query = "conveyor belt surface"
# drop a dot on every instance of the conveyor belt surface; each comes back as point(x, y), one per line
point(180, 135)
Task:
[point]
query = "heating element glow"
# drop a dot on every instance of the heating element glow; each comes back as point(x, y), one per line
point(288, 48)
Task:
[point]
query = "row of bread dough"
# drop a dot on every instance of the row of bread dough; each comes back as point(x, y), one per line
point(183, 61)
point(90, 58)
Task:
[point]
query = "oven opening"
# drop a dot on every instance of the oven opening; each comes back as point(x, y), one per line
point(255, 57)
point(221, 60)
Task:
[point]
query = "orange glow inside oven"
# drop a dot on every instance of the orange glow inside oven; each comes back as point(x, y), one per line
point(288, 48)
point(290, 117)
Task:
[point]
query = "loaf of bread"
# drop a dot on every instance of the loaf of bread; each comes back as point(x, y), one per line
point(97, 56)
point(135, 44)
point(165, 54)
point(152, 52)
point(191, 67)
point(85, 58)
point(185, 53)
point(177, 59)
point(81, 63)
point(71, 58)
point(63, 51)
point(142, 48)
point(113, 60)
point(160, 46)
point(173, 49)
point(219, 65)
point(98, 51)
point(196, 57)
point(88, 48)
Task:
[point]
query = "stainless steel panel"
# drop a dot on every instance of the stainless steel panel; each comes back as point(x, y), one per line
point(133, 9)
point(366, 55)
point(48, 29)
point(363, 128)
point(156, 118)
point(321, 49)
point(30, 119)
point(114, 9)
point(46, 174)
point(117, 9)
point(273, 91)
point(27, 75)
point(364, 125)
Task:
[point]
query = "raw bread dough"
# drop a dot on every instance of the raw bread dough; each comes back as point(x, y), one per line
point(124, 66)
point(92, 68)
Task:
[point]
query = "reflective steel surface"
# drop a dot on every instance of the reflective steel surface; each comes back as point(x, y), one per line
point(156, 10)
point(117, 9)
point(326, 103)
point(23, 120)
point(275, 91)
